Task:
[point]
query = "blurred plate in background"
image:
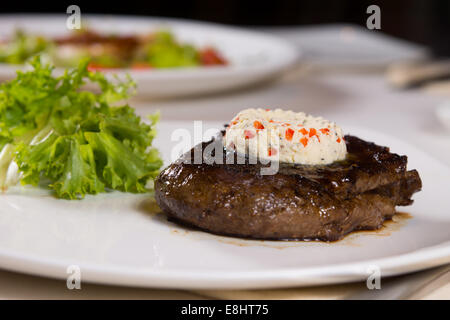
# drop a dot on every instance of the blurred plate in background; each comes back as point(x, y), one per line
point(253, 57)
point(348, 46)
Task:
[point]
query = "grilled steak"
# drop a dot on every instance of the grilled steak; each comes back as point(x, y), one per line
point(299, 202)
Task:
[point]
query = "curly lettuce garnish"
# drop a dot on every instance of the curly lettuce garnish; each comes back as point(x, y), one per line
point(53, 130)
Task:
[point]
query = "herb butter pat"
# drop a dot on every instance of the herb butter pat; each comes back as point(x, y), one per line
point(285, 136)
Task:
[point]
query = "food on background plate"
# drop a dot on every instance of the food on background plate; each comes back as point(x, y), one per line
point(327, 184)
point(74, 141)
point(159, 49)
point(21, 47)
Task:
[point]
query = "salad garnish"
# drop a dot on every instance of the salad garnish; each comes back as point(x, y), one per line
point(77, 142)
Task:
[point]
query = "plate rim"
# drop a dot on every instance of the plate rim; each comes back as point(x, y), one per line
point(418, 260)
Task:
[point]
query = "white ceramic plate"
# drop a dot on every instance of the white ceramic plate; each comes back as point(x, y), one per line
point(253, 56)
point(349, 46)
point(116, 239)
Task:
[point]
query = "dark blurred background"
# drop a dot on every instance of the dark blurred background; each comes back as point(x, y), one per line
point(420, 21)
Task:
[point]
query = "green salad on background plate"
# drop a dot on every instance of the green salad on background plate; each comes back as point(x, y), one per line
point(155, 50)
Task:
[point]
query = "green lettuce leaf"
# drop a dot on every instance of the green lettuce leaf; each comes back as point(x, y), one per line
point(55, 130)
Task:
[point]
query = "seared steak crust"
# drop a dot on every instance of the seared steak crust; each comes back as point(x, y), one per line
point(299, 202)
